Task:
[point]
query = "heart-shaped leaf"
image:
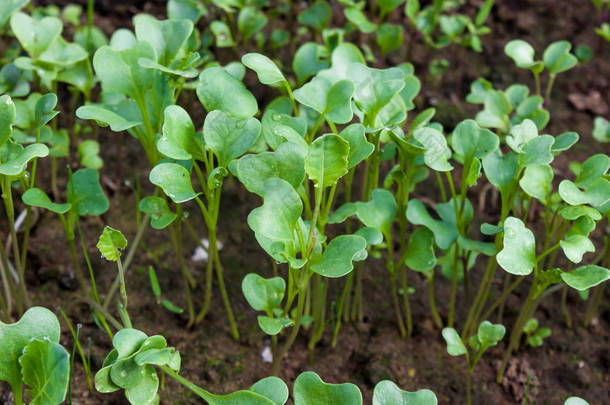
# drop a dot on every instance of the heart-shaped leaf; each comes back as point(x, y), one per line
point(160, 214)
point(15, 157)
point(537, 182)
point(521, 52)
point(273, 388)
point(179, 140)
point(471, 141)
point(218, 90)
point(437, 153)
point(263, 294)
point(174, 180)
point(455, 346)
point(267, 71)
point(388, 393)
point(420, 250)
point(585, 277)
point(518, 255)
point(85, 193)
point(110, 243)
point(309, 389)
point(277, 218)
point(557, 57)
point(35, 35)
point(229, 137)
point(326, 161)
point(379, 212)
point(359, 147)
point(331, 100)
point(339, 254)
point(444, 233)
point(35, 197)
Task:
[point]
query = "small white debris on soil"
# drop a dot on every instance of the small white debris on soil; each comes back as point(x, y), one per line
point(201, 252)
point(266, 355)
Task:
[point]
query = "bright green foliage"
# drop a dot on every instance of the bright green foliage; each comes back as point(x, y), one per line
point(268, 73)
point(601, 129)
point(85, 193)
point(522, 53)
point(455, 346)
point(175, 181)
point(111, 243)
point(250, 21)
point(316, 16)
point(389, 37)
point(557, 57)
point(130, 366)
point(338, 256)
point(35, 197)
point(444, 233)
point(437, 153)
point(14, 158)
point(518, 255)
point(105, 117)
point(228, 137)
point(585, 277)
point(160, 214)
point(35, 35)
point(36, 323)
point(535, 335)
point(335, 106)
point(326, 160)
point(537, 182)
point(488, 335)
point(379, 212)
point(263, 294)
point(358, 18)
point(179, 140)
point(46, 370)
point(218, 90)
point(575, 401)
point(388, 393)
point(89, 154)
point(309, 389)
point(420, 250)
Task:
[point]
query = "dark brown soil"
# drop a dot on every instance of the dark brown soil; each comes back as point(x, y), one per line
point(571, 362)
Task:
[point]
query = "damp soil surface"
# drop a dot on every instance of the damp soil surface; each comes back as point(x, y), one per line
point(572, 361)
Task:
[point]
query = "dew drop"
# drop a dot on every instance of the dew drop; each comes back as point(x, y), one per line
point(276, 117)
point(123, 373)
point(510, 233)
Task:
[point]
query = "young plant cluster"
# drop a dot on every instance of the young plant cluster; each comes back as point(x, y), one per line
point(344, 176)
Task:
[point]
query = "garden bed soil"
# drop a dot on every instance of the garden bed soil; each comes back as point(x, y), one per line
point(572, 361)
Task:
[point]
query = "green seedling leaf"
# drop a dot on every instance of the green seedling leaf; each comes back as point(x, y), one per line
point(601, 129)
point(444, 233)
point(8, 7)
point(489, 334)
point(531, 325)
point(375, 88)
point(286, 163)
point(158, 210)
point(585, 277)
point(496, 110)
point(358, 18)
point(339, 254)
point(43, 111)
point(277, 218)
point(342, 213)
point(46, 370)
point(218, 90)
point(373, 236)
point(309, 389)
point(35, 197)
point(15, 157)
point(85, 193)
point(111, 243)
point(273, 326)
point(574, 212)
point(263, 294)
point(174, 180)
point(388, 393)
point(478, 91)
point(518, 255)
point(120, 72)
point(537, 338)
point(557, 57)
point(596, 194)
point(267, 71)
point(501, 170)
point(455, 346)
point(105, 117)
point(522, 53)
point(316, 16)
point(537, 182)
point(471, 141)
point(359, 147)
point(309, 59)
point(36, 323)
point(592, 169)
point(35, 35)
point(437, 153)
point(420, 250)
point(250, 21)
point(222, 33)
point(379, 212)
point(335, 105)
point(167, 37)
point(229, 137)
point(489, 229)
point(389, 37)
point(88, 151)
point(477, 246)
point(520, 135)
point(326, 161)
point(576, 242)
point(273, 388)
point(179, 140)
point(564, 142)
